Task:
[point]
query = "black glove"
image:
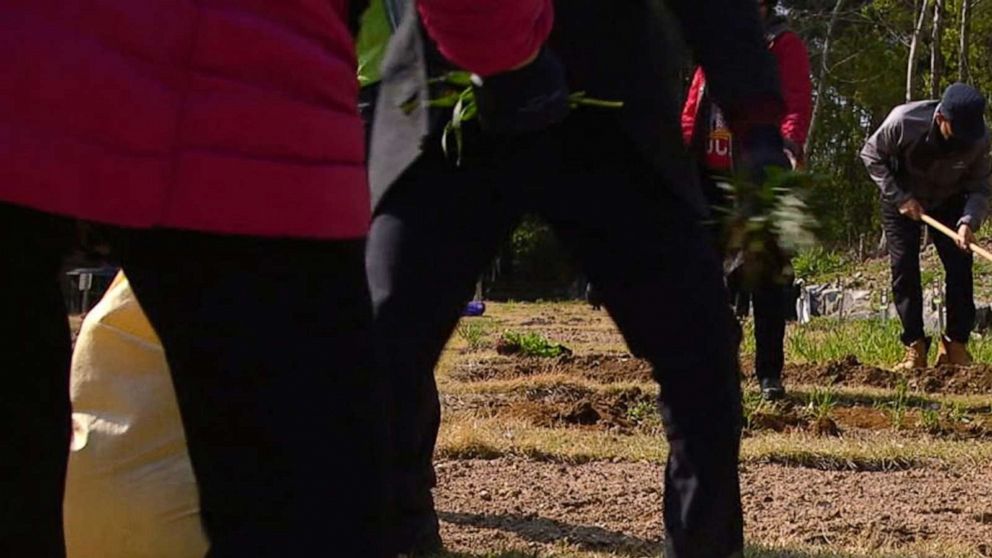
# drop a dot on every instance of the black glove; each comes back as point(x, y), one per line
point(762, 147)
point(529, 99)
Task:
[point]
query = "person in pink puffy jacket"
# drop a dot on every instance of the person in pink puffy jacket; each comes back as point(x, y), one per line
point(216, 148)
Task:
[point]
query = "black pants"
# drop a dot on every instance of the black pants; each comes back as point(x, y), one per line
point(269, 349)
point(903, 237)
point(769, 301)
point(645, 251)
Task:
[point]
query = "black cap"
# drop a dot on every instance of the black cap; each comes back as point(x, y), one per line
point(964, 106)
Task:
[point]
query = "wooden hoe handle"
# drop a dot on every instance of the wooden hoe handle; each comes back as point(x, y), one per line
point(947, 230)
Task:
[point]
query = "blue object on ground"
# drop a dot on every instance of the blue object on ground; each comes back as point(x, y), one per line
point(475, 308)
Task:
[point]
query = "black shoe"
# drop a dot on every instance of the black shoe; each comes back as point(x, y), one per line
point(771, 389)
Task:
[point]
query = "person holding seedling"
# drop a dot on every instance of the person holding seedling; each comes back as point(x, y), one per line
point(705, 131)
point(587, 137)
point(930, 159)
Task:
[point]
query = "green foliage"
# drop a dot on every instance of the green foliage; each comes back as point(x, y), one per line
point(748, 345)
point(931, 276)
point(475, 332)
point(930, 419)
point(765, 223)
point(865, 79)
point(753, 405)
point(898, 405)
point(821, 403)
point(642, 412)
point(537, 254)
point(533, 344)
point(816, 262)
point(958, 413)
point(460, 98)
point(872, 342)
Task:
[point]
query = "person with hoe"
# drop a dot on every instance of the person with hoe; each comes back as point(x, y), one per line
point(930, 159)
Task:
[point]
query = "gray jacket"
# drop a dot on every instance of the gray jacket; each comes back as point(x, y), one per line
point(905, 158)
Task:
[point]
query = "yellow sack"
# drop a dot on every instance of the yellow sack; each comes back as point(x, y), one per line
point(130, 491)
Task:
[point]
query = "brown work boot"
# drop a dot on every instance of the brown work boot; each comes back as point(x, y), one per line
point(916, 355)
point(953, 353)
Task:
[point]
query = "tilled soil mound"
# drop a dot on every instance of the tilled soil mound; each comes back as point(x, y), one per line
point(622, 411)
point(850, 419)
point(849, 372)
point(597, 367)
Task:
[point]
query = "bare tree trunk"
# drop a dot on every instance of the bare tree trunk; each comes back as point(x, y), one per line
point(821, 83)
point(936, 73)
point(964, 51)
point(936, 56)
point(914, 46)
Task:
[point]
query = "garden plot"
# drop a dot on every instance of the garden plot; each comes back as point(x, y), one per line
point(561, 454)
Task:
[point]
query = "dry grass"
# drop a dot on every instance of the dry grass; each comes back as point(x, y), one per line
point(470, 437)
point(466, 436)
point(543, 381)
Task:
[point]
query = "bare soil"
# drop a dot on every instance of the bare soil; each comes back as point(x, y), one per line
point(609, 368)
point(632, 409)
point(566, 406)
point(849, 372)
point(616, 507)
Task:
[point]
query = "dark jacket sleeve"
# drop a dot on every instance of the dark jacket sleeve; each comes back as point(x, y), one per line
point(797, 88)
point(877, 155)
point(978, 188)
point(727, 40)
point(487, 36)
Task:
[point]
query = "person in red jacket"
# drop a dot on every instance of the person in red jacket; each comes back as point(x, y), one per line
point(797, 91)
point(217, 148)
point(705, 132)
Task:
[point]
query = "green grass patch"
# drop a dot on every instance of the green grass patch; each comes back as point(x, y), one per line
point(475, 332)
point(864, 396)
point(818, 263)
point(873, 342)
point(532, 344)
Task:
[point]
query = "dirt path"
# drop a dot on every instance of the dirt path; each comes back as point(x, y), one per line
point(615, 507)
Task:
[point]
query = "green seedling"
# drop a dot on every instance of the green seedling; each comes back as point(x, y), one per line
point(930, 419)
point(532, 344)
point(641, 411)
point(460, 98)
point(475, 333)
point(754, 405)
point(958, 413)
point(821, 403)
